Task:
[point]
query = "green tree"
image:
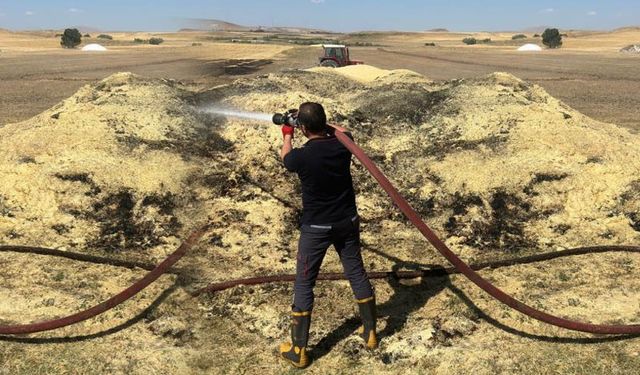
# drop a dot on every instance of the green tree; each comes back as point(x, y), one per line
point(70, 38)
point(552, 38)
point(469, 41)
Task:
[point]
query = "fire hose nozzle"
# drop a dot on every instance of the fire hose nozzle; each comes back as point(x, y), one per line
point(288, 118)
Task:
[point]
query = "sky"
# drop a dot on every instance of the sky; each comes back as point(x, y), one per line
point(334, 15)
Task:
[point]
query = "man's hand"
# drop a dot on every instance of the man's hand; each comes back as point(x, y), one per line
point(287, 130)
point(287, 134)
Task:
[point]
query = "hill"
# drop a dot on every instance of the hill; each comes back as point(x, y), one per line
point(627, 28)
point(218, 25)
point(215, 25)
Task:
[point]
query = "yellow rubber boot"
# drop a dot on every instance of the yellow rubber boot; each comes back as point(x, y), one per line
point(295, 352)
point(368, 315)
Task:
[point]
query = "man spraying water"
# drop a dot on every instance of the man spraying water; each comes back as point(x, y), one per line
point(330, 217)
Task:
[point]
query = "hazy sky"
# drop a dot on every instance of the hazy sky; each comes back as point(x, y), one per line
point(338, 15)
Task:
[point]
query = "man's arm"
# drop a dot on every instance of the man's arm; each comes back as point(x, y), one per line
point(286, 146)
point(287, 135)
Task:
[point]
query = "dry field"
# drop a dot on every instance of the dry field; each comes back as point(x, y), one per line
point(35, 73)
point(602, 85)
point(589, 73)
point(125, 167)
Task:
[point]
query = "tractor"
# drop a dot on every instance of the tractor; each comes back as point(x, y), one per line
point(336, 55)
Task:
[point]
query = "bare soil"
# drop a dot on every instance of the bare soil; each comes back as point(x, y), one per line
point(601, 85)
point(588, 74)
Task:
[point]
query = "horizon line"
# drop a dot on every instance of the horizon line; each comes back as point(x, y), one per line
point(182, 29)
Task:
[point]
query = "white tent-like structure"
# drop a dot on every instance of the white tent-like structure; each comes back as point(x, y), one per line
point(93, 48)
point(530, 48)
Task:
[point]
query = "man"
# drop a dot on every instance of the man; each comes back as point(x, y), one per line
point(329, 218)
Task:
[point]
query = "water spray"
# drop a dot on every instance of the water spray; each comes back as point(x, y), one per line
point(234, 113)
point(289, 117)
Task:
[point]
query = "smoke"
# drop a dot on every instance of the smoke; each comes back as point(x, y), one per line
point(228, 112)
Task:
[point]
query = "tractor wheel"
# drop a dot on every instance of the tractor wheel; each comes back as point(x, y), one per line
point(329, 64)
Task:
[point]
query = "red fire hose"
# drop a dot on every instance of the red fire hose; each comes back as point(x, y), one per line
point(464, 268)
point(428, 272)
point(113, 301)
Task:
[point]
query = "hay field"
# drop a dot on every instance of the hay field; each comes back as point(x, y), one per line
point(576, 41)
point(125, 168)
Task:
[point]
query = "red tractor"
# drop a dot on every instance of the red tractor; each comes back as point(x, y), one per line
point(336, 55)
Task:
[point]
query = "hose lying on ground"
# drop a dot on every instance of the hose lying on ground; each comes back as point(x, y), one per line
point(79, 257)
point(216, 287)
point(112, 302)
point(428, 272)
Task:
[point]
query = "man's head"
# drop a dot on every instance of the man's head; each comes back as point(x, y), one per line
point(313, 119)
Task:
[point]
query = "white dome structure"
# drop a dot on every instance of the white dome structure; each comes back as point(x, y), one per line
point(93, 48)
point(529, 47)
point(634, 48)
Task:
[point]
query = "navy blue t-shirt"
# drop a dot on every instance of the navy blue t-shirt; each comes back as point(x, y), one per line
point(323, 165)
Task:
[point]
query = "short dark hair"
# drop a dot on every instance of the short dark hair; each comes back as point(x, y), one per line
point(312, 116)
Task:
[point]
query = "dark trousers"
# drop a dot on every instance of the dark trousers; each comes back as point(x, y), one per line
point(313, 245)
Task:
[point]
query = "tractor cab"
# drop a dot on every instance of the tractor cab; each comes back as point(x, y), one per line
point(336, 55)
